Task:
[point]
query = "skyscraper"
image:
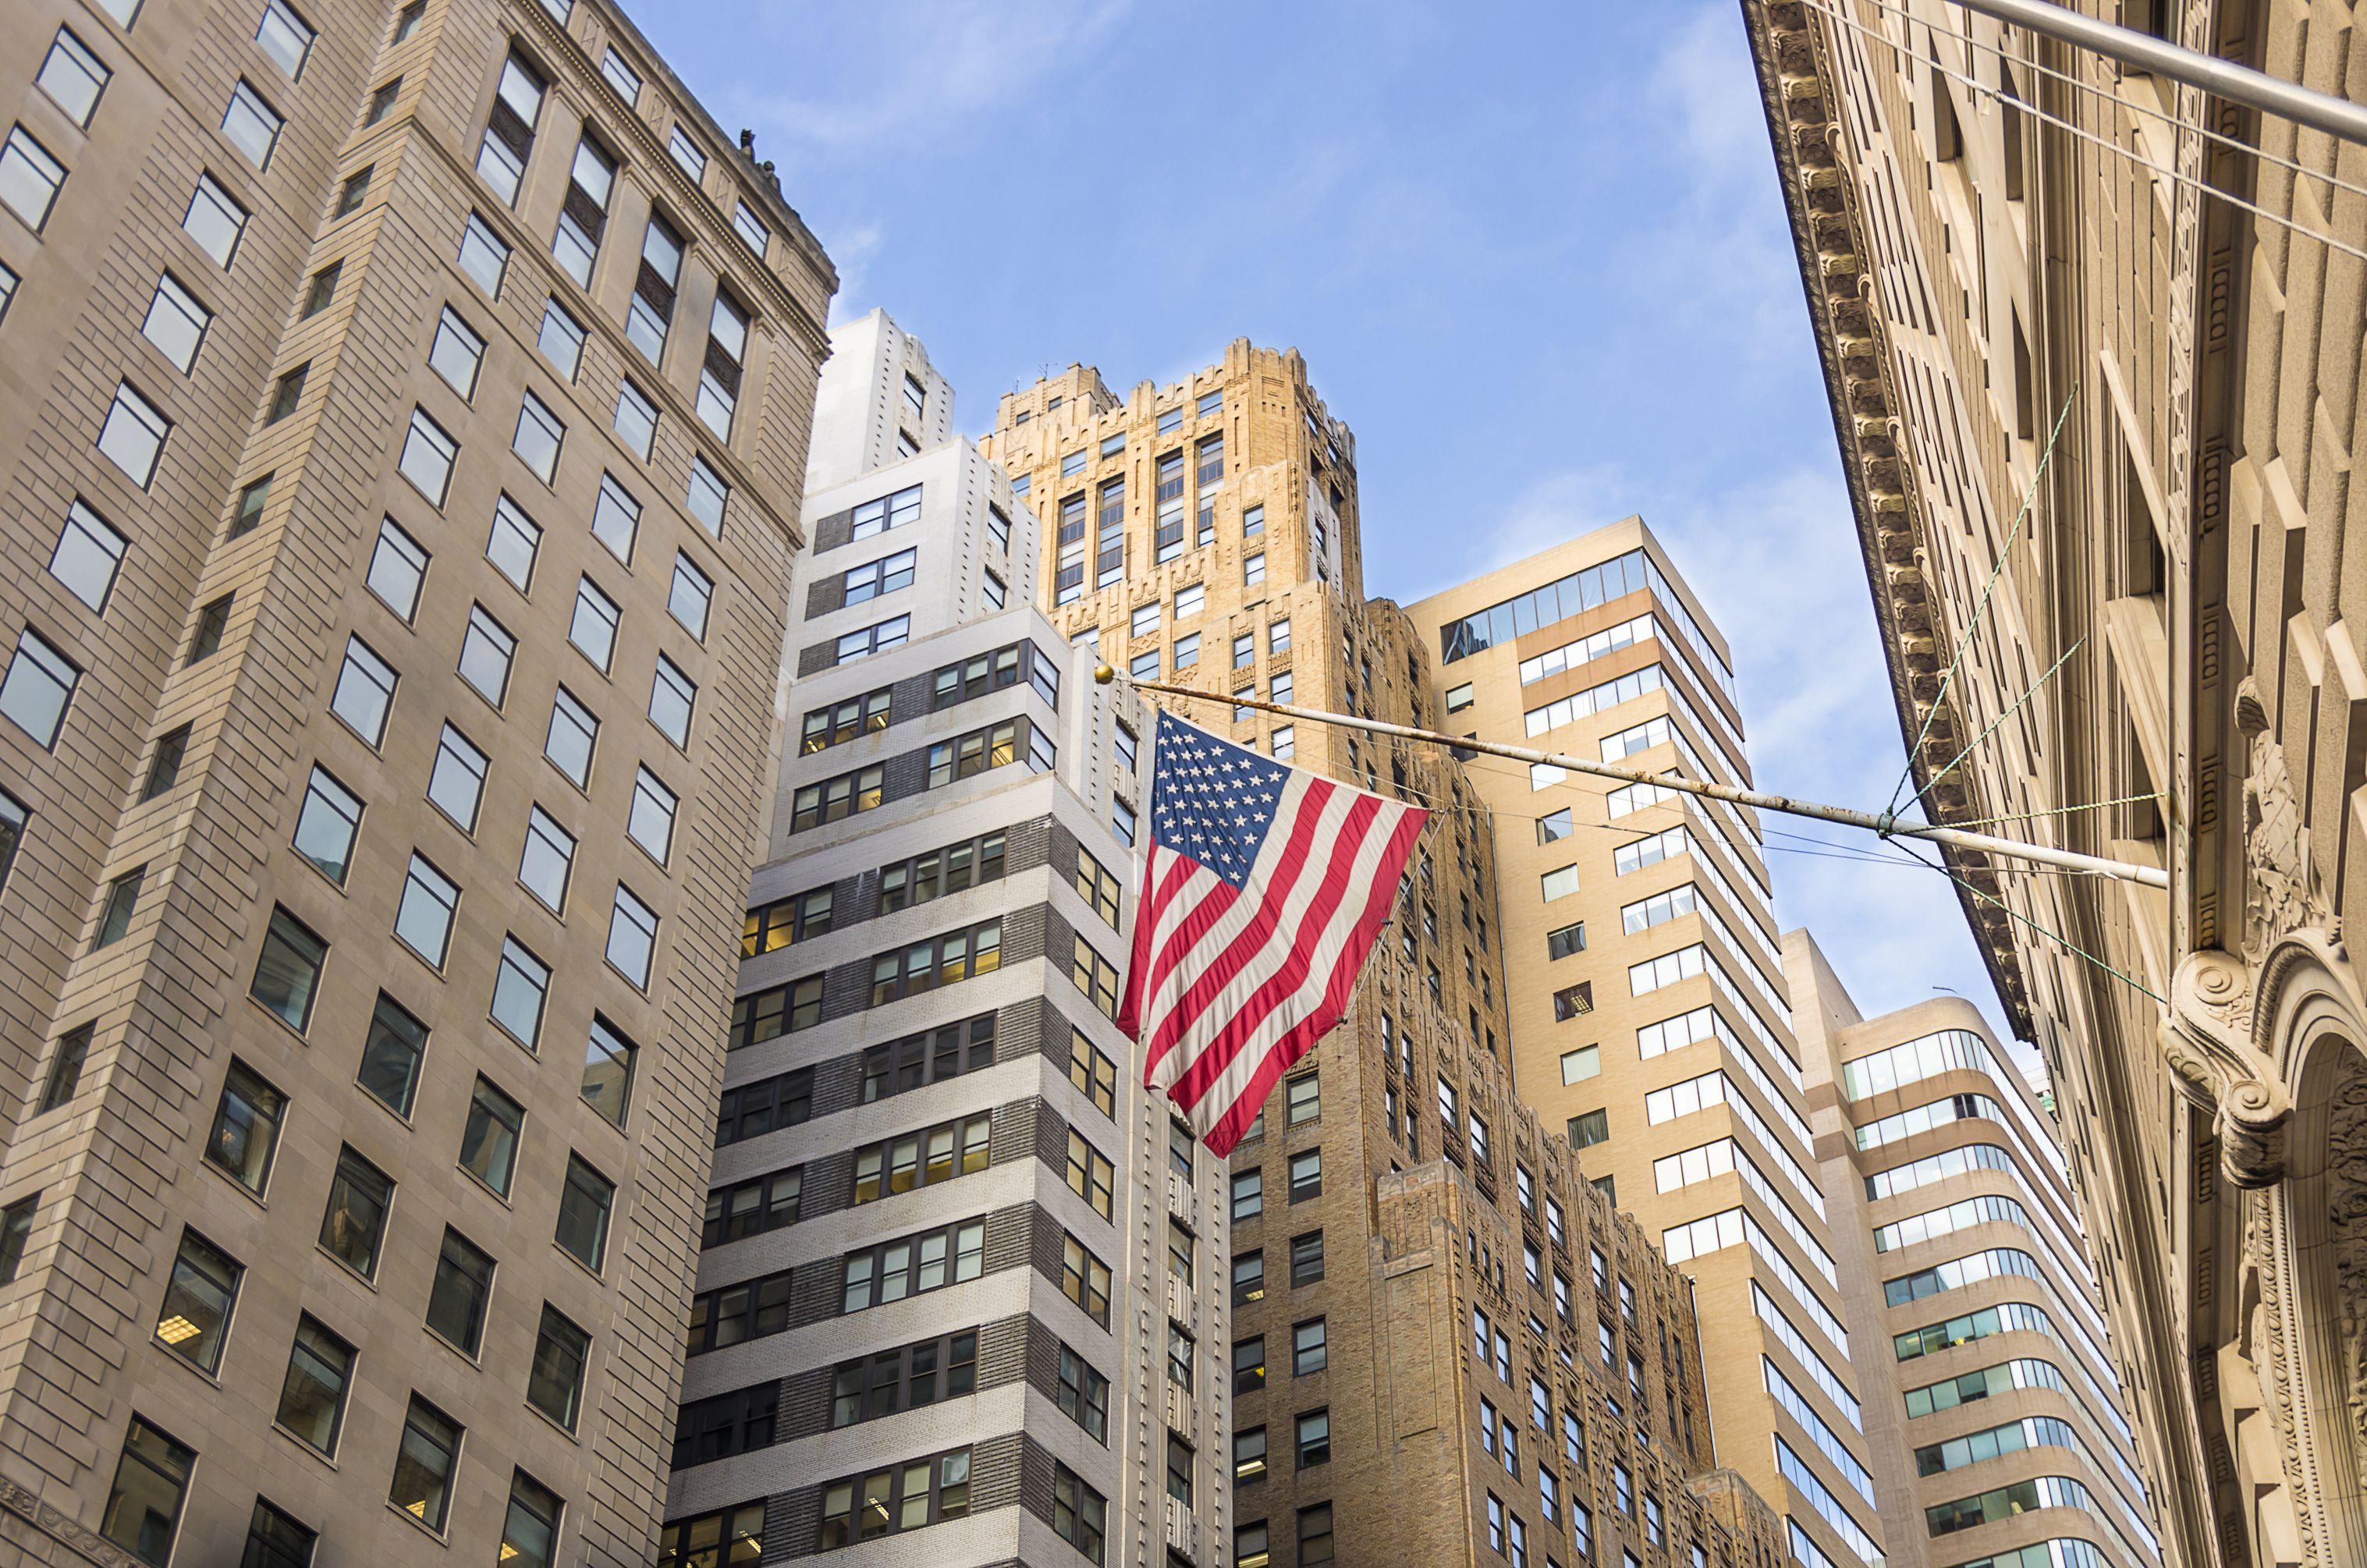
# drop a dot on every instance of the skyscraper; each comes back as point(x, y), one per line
point(2000, 236)
point(959, 1274)
point(1996, 1424)
point(1646, 997)
point(406, 414)
point(1446, 1344)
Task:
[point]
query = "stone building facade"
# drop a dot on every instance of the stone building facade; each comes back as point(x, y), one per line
point(1645, 991)
point(1996, 233)
point(961, 1292)
point(1994, 1420)
point(1423, 1283)
point(405, 414)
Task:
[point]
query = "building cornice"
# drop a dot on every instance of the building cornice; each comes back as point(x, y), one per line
point(1828, 233)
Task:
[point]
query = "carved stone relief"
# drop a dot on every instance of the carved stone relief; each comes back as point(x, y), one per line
point(2278, 895)
point(2347, 1204)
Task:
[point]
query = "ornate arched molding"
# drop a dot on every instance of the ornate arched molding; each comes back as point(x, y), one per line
point(2235, 1036)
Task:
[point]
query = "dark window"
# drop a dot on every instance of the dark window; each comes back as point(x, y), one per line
point(275, 1540)
point(1314, 1438)
point(456, 1303)
point(586, 1204)
point(1305, 1175)
point(287, 971)
point(489, 1139)
point(784, 1010)
point(313, 1396)
point(1084, 1279)
point(911, 1265)
point(841, 722)
point(554, 1382)
point(16, 1229)
point(733, 1538)
point(752, 1110)
point(1084, 1395)
point(1095, 1075)
point(392, 1054)
point(424, 1464)
point(1307, 1258)
point(727, 1424)
point(144, 1506)
point(771, 927)
point(845, 796)
point(199, 1297)
point(355, 1223)
point(1590, 1129)
point(749, 1310)
point(246, 1127)
point(904, 1378)
point(1249, 1365)
point(65, 1067)
point(751, 1207)
point(937, 962)
point(1315, 1535)
point(1079, 1514)
point(530, 1530)
point(165, 762)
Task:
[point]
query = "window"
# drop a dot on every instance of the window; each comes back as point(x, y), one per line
point(782, 1010)
point(691, 597)
point(355, 1221)
point(733, 1537)
point(213, 219)
point(585, 1206)
point(382, 101)
point(246, 1127)
point(746, 1311)
point(1584, 1063)
point(530, 1529)
point(29, 178)
point(837, 725)
point(115, 913)
point(1083, 1394)
point(1096, 977)
point(1315, 1535)
point(326, 825)
point(925, 1159)
point(1253, 568)
point(287, 970)
point(1559, 882)
point(1307, 1348)
point(250, 501)
point(1248, 1277)
point(554, 1380)
point(275, 1540)
point(1248, 1194)
point(592, 626)
point(1125, 750)
point(632, 937)
point(312, 1394)
point(718, 374)
point(671, 702)
point(540, 434)
point(251, 124)
point(560, 340)
point(1122, 822)
point(888, 512)
point(175, 323)
point(1093, 1074)
point(286, 36)
point(1144, 666)
point(1187, 651)
point(1079, 1514)
point(916, 1265)
point(1145, 620)
point(199, 1294)
point(1305, 1175)
point(1280, 688)
point(456, 1302)
point(457, 353)
point(392, 1053)
point(751, 229)
point(213, 622)
point(1252, 520)
point(1305, 1097)
point(637, 420)
point(456, 783)
point(607, 1082)
point(428, 456)
point(1249, 1365)
point(885, 575)
point(1084, 1279)
point(320, 290)
point(144, 1506)
point(727, 1424)
point(621, 76)
point(1590, 1129)
point(1284, 741)
point(489, 1139)
point(65, 1073)
point(1306, 1259)
point(424, 1464)
point(687, 155)
point(484, 255)
point(133, 435)
point(547, 859)
point(871, 639)
point(574, 733)
point(73, 77)
point(422, 920)
point(398, 565)
point(352, 194)
point(584, 216)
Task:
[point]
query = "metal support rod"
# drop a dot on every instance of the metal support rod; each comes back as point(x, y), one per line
point(1885, 825)
point(2337, 117)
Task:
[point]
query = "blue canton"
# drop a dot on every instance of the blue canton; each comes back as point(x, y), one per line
point(1212, 800)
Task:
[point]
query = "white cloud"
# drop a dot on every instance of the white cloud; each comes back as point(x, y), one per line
point(851, 252)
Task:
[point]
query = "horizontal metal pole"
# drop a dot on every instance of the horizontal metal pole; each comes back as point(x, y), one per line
point(1955, 838)
point(2338, 118)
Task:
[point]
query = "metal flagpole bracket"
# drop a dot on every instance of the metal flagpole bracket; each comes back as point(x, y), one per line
point(1883, 824)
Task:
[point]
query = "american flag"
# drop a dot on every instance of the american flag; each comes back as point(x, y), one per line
point(1264, 890)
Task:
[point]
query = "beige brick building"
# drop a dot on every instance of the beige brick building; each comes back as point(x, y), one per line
point(1423, 1283)
point(1646, 990)
point(406, 406)
point(1996, 233)
point(1993, 1418)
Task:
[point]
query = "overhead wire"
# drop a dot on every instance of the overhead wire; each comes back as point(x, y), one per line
point(1973, 86)
point(2068, 79)
point(2011, 710)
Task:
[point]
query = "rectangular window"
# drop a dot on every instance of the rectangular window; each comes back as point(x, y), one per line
point(392, 1053)
point(398, 567)
point(199, 1297)
point(487, 651)
point(489, 1139)
point(133, 435)
point(572, 737)
point(586, 1204)
point(29, 178)
point(457, 353)
point(560, 340)
point(354, 191)
point(327, 824)
point(637, 420)
point(177, 323)
point(456, 783)
point(691, 597)
point(592, 625)
point(423, 1465)
point(484, 255)
point(514, 542)
point(214, 220)
point(554, 1379)
point(584, 216)
point(427, 457)
point(251, 124)
point(632, 937)
point(547, 859)
point(422, 920)
point(707, 495)
point(621, 76)
point(1307, 1353)
point(246, 1127)
point(530, 1529)
point(73, 77)
point(1305, 1175)
point(688, 154)
point(538, 437)
point(751, 229)
point(144, 1506)
point(286, 36)
point(312, 1394)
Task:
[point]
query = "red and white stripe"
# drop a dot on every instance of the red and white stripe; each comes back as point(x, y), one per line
point(1228, 988)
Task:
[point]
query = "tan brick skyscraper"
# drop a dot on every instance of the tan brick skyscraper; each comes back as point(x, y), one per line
point(1424, 1283)
point(405, 407)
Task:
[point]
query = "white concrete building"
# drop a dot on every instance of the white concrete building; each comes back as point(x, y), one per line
point(961, 1275)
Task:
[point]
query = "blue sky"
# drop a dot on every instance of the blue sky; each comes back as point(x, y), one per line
point(1533, 255)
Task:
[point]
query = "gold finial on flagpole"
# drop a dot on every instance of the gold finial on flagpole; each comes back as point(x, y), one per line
point(1104, 674)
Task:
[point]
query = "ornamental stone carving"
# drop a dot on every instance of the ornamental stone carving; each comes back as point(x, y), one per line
point(2278, 895)
point(2346, 1167)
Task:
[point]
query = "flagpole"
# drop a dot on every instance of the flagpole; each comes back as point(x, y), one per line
point(1883, 824)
